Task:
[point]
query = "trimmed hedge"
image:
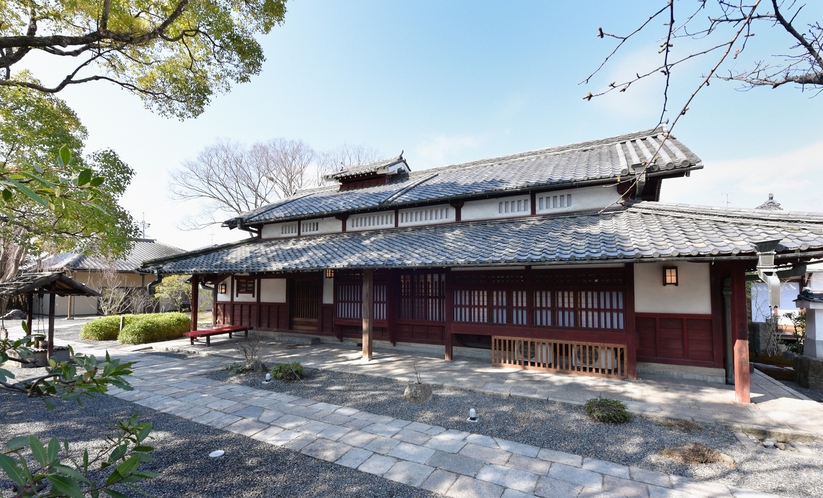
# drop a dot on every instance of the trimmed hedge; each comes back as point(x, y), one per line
point(154, 328)
point(137, 329)
point(101, 329)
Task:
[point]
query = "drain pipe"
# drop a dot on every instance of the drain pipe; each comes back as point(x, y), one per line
point(767, 271)
point(154, 283)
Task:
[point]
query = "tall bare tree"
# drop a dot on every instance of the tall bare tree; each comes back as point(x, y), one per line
point(229, 178)
point(721, 31)
point(287, 162)
point(343, 157)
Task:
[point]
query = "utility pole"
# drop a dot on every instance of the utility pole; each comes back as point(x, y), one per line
point(145, 225)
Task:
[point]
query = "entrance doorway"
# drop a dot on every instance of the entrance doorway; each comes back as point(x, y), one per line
point(305, 305)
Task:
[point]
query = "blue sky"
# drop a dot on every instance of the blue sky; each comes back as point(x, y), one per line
point(449, 82)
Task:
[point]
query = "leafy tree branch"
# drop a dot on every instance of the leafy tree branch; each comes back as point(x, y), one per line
point(174, 54)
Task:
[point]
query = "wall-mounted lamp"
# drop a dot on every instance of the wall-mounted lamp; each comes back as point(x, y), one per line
point(669, 275)
point(329, 273)
point(222, 288)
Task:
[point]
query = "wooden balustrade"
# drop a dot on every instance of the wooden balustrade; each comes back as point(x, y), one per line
point(584, 358)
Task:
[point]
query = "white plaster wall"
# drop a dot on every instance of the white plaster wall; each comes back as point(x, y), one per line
point(274, 230)
point(222, 298)
point(487, 209)
point(273, 290)
point(428, 215)
point(582, 199)
point(324, 225)
point(370, 221)
point(692, 295)
point(328, 291)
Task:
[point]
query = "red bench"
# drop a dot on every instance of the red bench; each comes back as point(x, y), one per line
point(207, 333)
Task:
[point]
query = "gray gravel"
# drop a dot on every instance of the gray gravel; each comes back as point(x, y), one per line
point(814, 394)
point(248, 469)
point(567, 428)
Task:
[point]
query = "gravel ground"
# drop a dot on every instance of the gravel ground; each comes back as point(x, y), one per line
point(814, 394)
point(567, 428)
point(250, 468)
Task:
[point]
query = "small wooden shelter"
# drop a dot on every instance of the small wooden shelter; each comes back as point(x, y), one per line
point(53, 284)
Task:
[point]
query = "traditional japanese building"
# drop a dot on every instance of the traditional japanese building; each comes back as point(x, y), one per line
point(560, 259)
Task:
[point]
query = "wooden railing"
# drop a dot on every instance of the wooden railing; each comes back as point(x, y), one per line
point(585, 358)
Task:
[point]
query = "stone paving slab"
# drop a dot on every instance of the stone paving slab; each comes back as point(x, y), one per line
point(449, 462)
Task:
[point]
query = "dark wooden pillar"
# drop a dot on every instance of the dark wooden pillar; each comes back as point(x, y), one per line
point(30, 311)
point(214, 305)
point(631, 328)
point(368, 306)
point(740, 331)
point(449, 305)
point(195, 297)
point(392, 304)
point(52, 298)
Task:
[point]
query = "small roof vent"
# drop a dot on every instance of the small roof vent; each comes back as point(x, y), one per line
point(771, 205)
point(367, 175)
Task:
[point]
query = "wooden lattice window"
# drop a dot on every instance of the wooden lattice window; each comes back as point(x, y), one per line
point(245, 286)
point(587, 299)
point(423, 297)
point(348, 295)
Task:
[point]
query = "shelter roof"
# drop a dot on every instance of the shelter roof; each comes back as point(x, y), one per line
point(41, 282)
point(641, 231)
point(142, 250)
point(585, 163)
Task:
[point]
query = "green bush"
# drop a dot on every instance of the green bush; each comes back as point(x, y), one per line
point(609, 411)
point(101, 329)
point(287, 372)
point(154, 327)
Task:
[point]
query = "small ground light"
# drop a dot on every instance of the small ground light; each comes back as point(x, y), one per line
point(472, 415)
point(268, 378)
point(216, 454)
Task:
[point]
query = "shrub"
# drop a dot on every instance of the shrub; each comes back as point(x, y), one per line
point(607, 410)
point(287, 372)
point(101, 329)
point(236, 368)
point(153, 328)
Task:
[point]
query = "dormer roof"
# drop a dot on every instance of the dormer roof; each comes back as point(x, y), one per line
point(386, 167)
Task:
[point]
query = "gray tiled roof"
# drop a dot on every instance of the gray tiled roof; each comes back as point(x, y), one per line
point(143, 249)
point(558, 167)
point(640, 232)
point(366, 169)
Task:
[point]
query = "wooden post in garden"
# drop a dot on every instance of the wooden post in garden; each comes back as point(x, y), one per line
point(740, 333)
point(368, 291)
point(195, 297)
point(52, 298)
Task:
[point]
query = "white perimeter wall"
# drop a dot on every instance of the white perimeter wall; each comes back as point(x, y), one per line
point(692, 295)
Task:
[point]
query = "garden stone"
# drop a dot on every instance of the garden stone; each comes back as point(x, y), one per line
point(418, 393)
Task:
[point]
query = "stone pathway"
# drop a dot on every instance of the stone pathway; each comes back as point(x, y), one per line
point(448, 462)
point(774, 407)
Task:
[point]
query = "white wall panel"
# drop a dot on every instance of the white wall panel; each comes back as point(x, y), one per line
point(692, 295)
